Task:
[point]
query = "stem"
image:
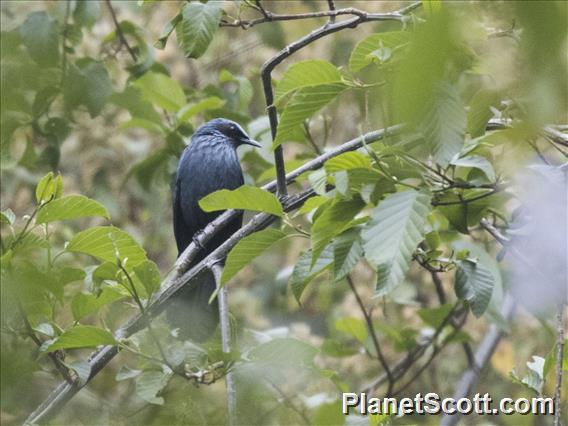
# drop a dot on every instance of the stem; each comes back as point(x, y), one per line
point(371, 328)
point(559, 360)
point(120, 33)
point(217, 270)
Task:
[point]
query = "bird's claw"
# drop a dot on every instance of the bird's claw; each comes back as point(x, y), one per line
point(197, 240)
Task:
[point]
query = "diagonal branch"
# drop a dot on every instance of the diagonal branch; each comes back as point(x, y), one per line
point(183, 276)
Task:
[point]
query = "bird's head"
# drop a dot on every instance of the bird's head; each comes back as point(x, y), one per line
point(228, 129)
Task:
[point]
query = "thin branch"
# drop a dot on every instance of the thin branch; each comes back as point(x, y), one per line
point(483, 354)
point(63, 370)
point(436, 350)
point(332, 13)
point(120, 33)
point(374, 338)
point(442, 299)
point(217, 271)
point(404, 365)
point(331, 5)
point(559, 360)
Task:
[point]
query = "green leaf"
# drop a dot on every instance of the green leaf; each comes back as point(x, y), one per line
point(71, 207)
point(198, 26)
point(245, 197)
point(132, 100)
point(480, 111)
point(313, 203)
point(150, 383)
point(108, 243)
point(86, 304)
point(306, 73)
point(304, 103)
point(248, 249)
point(347, 251)
point(331, 222)
point(49, 187)
point(8, 216)
point(478, 162)
point(391, 236)
point(82, 336)
point(86, 13)
point(166, 31)
point(363, 55)
point(286, 351)
point(347, 161)
point(188, 111)
point(161, 90)
point(149, 275)
point(88, 83)
point(444, 124)
point(352, 326)
point(304, 272)
point(40, 34)
point(474, 283)
point(434, 317)
point(534, 380)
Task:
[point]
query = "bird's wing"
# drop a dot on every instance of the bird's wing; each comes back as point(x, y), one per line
point(182, 232)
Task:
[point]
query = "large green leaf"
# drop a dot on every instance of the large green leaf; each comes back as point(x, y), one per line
point(347, 251)
point(88, 83)
point(245, 197)
point(377, 47)
point(198, 25)
point(71, 207)
point(248, 249)
point(40, 34)
point(304, 272)
point(85, 304)
point(49, 187)
point(285, 351)
point(150, 383)
point(305, 102)
point(161, 90)
point(306, 73)
point(107, 243)
point(132, 100)
point(474, 283)
point(477, 162)
point(353, 326)
point(480, 111)
point(188, 111)
point(149, 275)
point(331, 222)
point(391, 236)
point(347, 161)
point(82, 336)
point(444, 124)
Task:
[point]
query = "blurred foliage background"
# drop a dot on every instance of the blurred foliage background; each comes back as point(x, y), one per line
point(111, 111)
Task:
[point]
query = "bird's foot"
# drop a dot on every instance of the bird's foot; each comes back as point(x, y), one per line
point(197, 240)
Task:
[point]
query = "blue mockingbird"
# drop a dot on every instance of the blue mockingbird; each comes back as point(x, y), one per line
point(207, 164)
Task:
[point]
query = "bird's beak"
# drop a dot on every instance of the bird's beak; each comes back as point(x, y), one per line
point(251, 142)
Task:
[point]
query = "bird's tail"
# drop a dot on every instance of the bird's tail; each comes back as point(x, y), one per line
point(191, 311)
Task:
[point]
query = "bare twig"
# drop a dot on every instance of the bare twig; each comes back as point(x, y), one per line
point(120, 33)
point(372, 332)
point(442, 299)
point(217, 270)
point(331, 5)
point(332, 13)
point(483, 354)
point(559, 360)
